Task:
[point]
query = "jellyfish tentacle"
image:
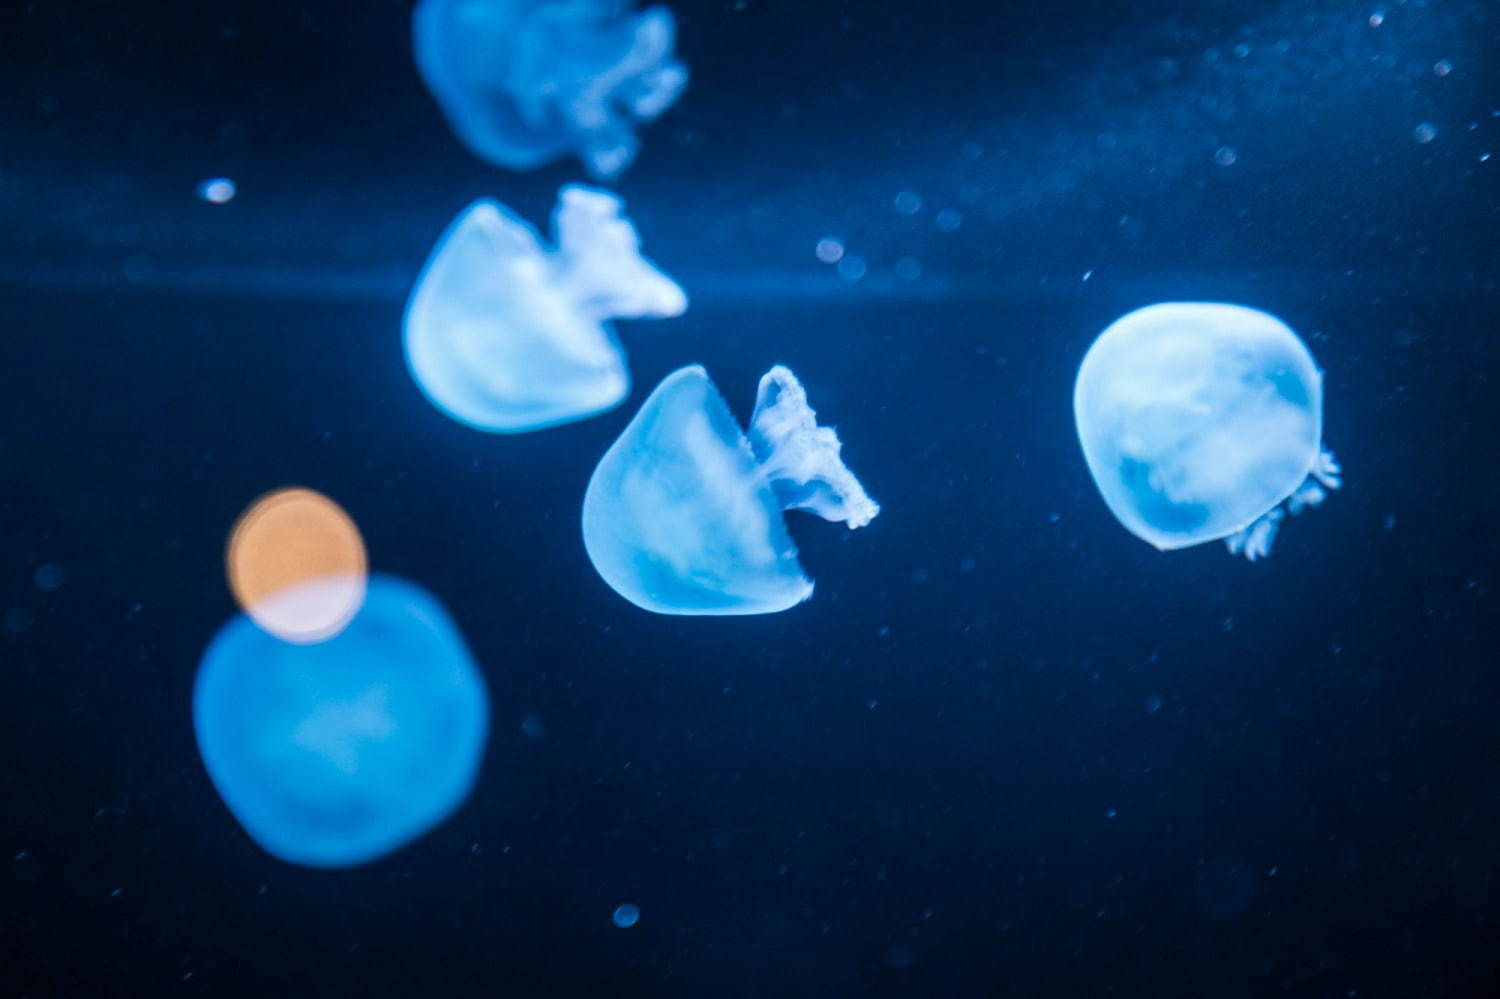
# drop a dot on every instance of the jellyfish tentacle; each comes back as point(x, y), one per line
point(800, 459)
point(1327, 470)
point(1254, 541)
point(599, 262)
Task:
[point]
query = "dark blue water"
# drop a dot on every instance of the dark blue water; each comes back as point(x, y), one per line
point(1006, 749)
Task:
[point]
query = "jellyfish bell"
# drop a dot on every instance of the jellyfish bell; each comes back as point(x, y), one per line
point(683, 514)
point(525, 82)
point(507, 335)
point(337, 753)
point(1201, 422)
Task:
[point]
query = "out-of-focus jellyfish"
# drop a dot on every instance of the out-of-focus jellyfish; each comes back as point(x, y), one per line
point(524, 82)
point(296, 564)
point(1202, 421)
point(683, 514)
point(336, 753)
point(506, 335)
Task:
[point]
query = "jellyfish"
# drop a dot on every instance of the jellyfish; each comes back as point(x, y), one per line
point(337, 753)
point(1203, 421)
point(683, 514)
point(505, 335)
point(525, 82)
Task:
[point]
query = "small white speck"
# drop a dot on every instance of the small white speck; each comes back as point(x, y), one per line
point(1088, 273)
point(1442, 67)
point(217, 190)
point(1377, 19)
point(829, 250)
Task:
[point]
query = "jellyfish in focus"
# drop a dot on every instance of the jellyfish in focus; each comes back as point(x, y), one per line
point(524, 82)
point(337, 753)
point(683, 514)
point(506, 335)
point(1203, 421)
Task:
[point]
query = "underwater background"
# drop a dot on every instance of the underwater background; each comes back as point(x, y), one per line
point(1006, 749)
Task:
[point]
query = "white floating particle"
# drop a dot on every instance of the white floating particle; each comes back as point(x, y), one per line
point(829, 250)
point(1442, 67)
point(1425, 132)
point(217, 190)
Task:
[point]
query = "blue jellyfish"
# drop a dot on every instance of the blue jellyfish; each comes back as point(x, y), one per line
point(683, 513)
point(626, 915)
point(1202, 421)
point(336, 753)
point(524, 82)
point(505, 335)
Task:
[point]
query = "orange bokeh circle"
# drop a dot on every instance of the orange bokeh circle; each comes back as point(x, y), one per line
point(296, 564)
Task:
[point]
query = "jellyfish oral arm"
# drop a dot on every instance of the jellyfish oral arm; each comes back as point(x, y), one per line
point(1254, 541)
point(599, 266)
point(801, 459)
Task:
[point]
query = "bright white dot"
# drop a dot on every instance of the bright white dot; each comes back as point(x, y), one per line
point(1377, 19)
point(852, 267)
point(627, 916)
point(1484, 157)
point(948, 220)
point(1442, 67)
point(217, 190)
point(829, 250)
point(1088, 273)
point(1225, 156)
point(908, 268)
point(908, 202)
point(1425, 132)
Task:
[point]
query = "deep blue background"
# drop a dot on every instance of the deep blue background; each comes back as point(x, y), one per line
point(903, 787)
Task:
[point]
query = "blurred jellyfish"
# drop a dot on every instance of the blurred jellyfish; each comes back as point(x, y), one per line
point(627, 915)
point(507, 335)
point(337, 753)
point(683, 515)
point(524, 82)
point(1203, 421)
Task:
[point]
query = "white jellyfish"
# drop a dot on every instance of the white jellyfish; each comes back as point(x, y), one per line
point(523, 82)
point(683, 515)
point(506, 335)
point(1202, 421)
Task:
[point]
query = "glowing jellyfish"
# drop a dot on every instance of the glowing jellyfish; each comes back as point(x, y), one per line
point(336, 753)
point(1202, 421)
point(524, 82)
point(507, 336)
point(296, 564)
point(683, 514)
